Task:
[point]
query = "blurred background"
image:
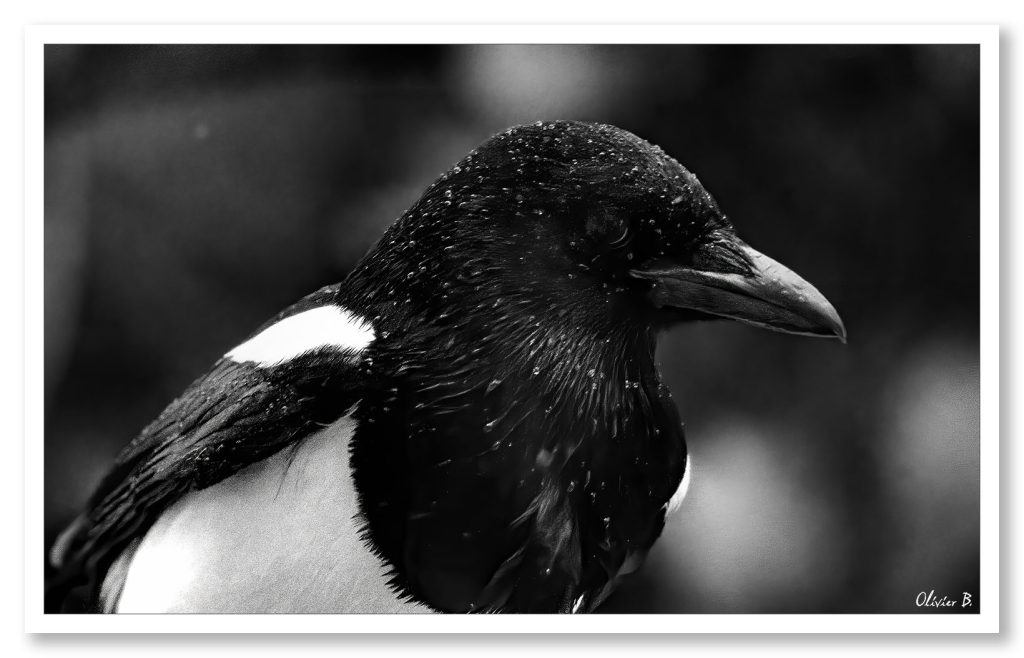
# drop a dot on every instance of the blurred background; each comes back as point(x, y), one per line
point(191, 192)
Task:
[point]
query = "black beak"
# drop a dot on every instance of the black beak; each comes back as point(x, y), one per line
point(769, 295)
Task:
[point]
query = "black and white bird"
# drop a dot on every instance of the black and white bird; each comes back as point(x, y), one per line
point(471, 421)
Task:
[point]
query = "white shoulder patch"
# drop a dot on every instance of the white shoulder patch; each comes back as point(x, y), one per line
point(324, 326)
point(677, 498)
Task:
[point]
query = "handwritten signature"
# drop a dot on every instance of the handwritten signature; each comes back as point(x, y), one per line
point(929, 600)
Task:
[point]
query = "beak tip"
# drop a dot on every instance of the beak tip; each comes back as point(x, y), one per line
point(834, 323)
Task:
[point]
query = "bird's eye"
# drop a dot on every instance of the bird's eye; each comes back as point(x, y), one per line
point(608, 229)
point(623, 237)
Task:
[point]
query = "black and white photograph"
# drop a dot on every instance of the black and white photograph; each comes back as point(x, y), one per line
point(649, 330)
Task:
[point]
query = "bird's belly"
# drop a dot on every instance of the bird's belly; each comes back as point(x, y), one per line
point(279, 536)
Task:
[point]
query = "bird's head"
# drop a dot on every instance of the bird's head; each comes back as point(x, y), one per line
point(598, 224)
point(516, 305)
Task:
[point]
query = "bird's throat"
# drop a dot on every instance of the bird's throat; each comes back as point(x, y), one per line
point(495, 479)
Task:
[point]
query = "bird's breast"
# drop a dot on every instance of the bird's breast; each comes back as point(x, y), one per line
point(279, 536)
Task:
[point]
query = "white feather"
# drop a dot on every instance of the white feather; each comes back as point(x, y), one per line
point(324, 326)
point(279, 536)
point(677, 498)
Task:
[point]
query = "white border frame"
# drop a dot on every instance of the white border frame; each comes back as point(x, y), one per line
point(987, 621)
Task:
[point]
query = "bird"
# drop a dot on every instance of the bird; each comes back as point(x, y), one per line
point(471, 421)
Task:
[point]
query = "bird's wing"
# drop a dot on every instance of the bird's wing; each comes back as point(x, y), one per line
point(250, 405)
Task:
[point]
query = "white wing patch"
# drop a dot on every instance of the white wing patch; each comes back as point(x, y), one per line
point(677, 498)
point(324, 326)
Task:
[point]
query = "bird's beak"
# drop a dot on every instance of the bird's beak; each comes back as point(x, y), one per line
point(771, 295)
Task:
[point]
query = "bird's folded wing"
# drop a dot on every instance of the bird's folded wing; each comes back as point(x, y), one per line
point(237, 414)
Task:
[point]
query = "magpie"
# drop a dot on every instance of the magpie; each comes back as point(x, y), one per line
point(472, 421)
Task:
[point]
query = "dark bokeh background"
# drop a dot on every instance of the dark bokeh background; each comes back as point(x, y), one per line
point(192, 192)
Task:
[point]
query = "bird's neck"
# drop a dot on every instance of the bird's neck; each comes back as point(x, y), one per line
point(512, 427)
